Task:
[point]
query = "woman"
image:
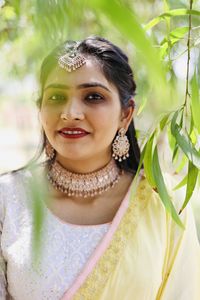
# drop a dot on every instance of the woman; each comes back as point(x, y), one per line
point(99, 240)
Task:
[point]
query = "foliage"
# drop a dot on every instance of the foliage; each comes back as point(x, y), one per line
point(155, 42)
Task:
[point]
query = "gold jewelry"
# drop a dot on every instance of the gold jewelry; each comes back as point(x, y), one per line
point(64, 117)
point(83, 185)
point(121, 146)
point(49, 150)
point(71, 60)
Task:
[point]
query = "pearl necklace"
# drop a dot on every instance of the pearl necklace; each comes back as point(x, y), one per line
point(83, 185)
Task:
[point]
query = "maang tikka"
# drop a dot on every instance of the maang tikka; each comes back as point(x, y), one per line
point(120, 146)
point(72, 59)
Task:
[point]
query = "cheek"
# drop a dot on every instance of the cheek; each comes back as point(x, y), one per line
point(48, 114)
point(47, 117)
point(44, 119)
point(107, 121)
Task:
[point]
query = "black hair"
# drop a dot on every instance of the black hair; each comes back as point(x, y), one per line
point(115, 67)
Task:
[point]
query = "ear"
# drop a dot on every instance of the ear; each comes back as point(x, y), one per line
point(127, 114)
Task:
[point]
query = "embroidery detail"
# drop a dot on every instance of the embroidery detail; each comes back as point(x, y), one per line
point(97, 279)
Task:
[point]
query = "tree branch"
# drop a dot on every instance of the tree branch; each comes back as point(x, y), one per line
point(188, 57)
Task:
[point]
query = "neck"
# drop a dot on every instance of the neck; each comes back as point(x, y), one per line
point(84, 166)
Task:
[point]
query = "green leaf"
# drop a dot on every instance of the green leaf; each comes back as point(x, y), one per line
point(195, 102)
point(142, 105)
point(171, 139)
point(164, 121)
point(185, 144)
point(191, 182)
point(175, 152)
point(198, 179)
point(180, 184)
point(178, 33)
point(166, 5)
point(175, 117)
point(162, 190)
point(163, 49)
point(141, 159)
point(173, 144)
point(131, 28)
point(135, 181)
point(182, 164)
point(137, 133)
point(148, 161)
point(38, 193)
point(191, 126)
point(171, 13)
point(193, 137)
point(175, 35)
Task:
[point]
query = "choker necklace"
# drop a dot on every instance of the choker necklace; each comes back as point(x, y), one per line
point(83, 185)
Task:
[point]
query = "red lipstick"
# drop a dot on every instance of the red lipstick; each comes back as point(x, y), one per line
point(73, 133)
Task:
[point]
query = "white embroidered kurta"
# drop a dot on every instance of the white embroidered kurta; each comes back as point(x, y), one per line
point(65, 247)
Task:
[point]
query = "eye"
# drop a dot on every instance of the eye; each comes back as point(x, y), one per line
point(94, 97)
point(57, 98)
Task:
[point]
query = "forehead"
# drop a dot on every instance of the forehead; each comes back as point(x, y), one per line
point(88, 73)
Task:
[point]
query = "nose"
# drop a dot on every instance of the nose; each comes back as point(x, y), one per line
point(73, 110)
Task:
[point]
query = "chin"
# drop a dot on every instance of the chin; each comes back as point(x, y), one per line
point(73, 156)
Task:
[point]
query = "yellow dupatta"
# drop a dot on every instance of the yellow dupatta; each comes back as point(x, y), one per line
point(148, 258)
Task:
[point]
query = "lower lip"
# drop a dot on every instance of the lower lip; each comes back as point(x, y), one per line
point(73, 136)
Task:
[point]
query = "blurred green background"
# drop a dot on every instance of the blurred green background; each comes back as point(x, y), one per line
point(158, 53)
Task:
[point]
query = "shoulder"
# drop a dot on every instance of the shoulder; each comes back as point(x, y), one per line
point(14, 189)
point(20, 175)
point(10, 184)
point(9, 179)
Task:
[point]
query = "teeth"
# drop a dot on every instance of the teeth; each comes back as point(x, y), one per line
point(72, 132)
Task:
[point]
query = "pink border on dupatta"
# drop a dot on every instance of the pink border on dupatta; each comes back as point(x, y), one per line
point(101, 248)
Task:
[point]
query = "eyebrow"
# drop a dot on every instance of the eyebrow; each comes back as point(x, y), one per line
point(80, 86)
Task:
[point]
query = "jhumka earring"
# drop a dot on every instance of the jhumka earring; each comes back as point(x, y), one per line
point(72, 59)
point(121, 146)
point(49, 150)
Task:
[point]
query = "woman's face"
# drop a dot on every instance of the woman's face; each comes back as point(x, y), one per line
point(92, 106)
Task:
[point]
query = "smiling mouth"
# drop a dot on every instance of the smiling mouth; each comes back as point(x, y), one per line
point(73, 134)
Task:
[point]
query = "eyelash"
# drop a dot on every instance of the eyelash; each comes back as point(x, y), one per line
point(96, 97)
point(57, 96)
